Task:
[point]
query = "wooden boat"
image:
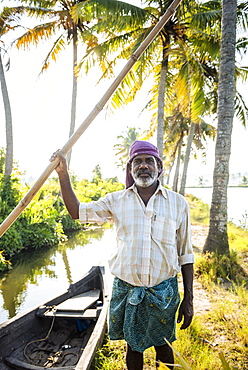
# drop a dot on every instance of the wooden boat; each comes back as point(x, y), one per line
point(63, 333)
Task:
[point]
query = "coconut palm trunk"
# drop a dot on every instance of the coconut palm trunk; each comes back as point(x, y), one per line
point(217, 239)
point(169, 171)
point(186, 158)
point(176, 175)
point(161, 95)
point(74, 93)
point(8, 121)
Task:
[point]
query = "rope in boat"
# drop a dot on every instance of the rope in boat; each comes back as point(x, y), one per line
point(51, 360)
point(39, 340)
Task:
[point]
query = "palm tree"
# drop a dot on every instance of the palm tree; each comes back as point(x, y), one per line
point(190, 86)
point(58, 23)
point(68, 29)
point(9, 21)
point(8, 122)
point(122, 148)
point(189, 46)
point(126, 35)
point(178, 152)
point(186, 157)
point(196, 135)
point(197, 71)
point(217, 239)
point(178, 131)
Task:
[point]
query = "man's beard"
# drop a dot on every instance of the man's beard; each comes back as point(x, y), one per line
point(145, 182)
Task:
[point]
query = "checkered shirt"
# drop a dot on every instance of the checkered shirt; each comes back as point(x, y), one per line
point(153, 241)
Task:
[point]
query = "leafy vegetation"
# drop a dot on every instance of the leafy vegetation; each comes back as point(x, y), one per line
point(45, 222)
point(199, 211)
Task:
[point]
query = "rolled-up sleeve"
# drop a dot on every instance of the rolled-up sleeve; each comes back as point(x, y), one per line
point(95, 212)
point(184, 243)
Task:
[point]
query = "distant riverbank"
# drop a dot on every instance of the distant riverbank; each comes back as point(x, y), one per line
point(210, 187)
point(237, 201)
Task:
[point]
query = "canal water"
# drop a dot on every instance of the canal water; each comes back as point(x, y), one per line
point(41, 275)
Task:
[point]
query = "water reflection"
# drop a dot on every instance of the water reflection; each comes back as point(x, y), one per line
point(27, 269)
point(67, 266)
point(41, 275)
point(82, 237)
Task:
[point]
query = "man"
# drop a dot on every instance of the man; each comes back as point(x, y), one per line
point(153, 245)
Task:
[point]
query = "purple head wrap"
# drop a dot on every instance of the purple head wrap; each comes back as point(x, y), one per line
point(141, 147)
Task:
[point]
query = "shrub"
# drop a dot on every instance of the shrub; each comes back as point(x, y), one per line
point(45, 221)
point(11, 241)
point(41, 234)
point(199, 211)
point(4, 264)
point(218, 268)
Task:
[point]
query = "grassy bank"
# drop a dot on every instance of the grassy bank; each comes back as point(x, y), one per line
point(218, 337)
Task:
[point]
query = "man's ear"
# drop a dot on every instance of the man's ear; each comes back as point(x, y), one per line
point(159, 165)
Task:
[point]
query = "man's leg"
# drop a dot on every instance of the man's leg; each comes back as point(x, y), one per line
point(134, 359)
point(164, 354)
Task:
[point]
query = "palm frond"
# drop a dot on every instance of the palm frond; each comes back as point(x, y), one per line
point(207, 14)
point(57, 47)
point(205, 43)
point(241, 109)
point(241, 73)
point(34, 35)
point(242, 17)
point(242, 45)
point(107, 9)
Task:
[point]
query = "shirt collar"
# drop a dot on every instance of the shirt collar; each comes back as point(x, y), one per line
point(160, 188)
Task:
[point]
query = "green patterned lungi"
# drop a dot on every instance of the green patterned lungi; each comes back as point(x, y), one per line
point(143, 316)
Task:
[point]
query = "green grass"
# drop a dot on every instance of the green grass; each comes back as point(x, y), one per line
point(199, 211)
point(217, 339)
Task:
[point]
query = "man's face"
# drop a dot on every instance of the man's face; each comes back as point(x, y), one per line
point(144, 169)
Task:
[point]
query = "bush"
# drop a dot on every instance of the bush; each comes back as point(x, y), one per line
point(41, 234)
point(11, 241)
point(45, 221)
point(218, 268)
point(199, 211)
point(4, 264)
point(69, 224)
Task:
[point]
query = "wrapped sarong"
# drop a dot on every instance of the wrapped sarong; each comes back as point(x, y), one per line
point(143, 316)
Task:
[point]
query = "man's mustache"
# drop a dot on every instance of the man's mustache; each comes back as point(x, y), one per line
point(140, 172)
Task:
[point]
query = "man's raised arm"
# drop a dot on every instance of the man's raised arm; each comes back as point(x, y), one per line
point(69, 197)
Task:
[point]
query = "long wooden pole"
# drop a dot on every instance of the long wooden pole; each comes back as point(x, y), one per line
point(73, 139)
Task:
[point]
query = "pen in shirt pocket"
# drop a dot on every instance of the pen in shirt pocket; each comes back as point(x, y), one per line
point(154, 217)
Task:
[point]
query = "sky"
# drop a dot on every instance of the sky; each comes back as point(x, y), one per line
point(41, 118)
point(41, 115)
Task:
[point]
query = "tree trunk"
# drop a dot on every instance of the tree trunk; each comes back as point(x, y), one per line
point(186, 158)
point(169, 171)
point(176, 175)
point(8, 123)
point(74, 93)
point(217, 239)
point(161, 94)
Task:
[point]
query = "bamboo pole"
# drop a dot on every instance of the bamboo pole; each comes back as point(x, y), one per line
point(96, 110)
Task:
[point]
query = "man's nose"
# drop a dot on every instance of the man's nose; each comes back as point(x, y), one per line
point(143, 165)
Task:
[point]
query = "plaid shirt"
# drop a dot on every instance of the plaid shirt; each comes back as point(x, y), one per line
point(153, 241)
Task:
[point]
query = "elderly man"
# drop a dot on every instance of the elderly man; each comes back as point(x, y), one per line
point(153, 246)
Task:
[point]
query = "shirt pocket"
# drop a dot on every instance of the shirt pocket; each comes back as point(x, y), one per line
point(164, 230)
